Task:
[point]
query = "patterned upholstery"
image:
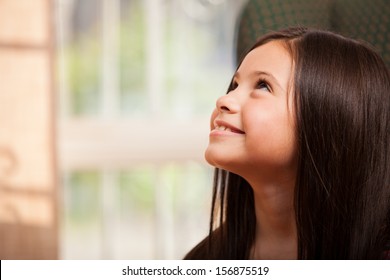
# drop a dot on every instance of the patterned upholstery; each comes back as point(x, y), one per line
point(368, 20)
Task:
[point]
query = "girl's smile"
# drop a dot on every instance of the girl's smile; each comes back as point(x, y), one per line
point(222, 128)
point(252, 127)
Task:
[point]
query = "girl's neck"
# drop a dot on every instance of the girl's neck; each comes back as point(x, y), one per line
point(276, 233)
point(273, 249)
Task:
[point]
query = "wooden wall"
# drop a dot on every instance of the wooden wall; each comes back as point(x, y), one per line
point(28, 195)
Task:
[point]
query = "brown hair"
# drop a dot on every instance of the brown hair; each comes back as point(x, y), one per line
point(342, 193)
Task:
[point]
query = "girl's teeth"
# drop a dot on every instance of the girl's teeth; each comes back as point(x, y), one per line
point(223, 128)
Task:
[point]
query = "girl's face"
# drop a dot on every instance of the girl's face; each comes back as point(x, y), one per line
point(252, 127)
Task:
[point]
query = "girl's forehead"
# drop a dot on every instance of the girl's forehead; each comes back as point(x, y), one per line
point(271, 53)
point(272, 58)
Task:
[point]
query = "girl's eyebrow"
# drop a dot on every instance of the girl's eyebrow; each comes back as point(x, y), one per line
point(259, 73)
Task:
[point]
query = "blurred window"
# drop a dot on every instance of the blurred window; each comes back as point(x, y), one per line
point(137, 82)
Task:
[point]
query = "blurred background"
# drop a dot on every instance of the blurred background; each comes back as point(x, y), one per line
point(138, 80)
point(104, 115)
point(108, 117)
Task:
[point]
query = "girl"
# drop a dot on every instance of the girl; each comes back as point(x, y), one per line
point(301, 146)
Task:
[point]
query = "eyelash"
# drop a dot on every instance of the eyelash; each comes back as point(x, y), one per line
point(261, 83)
point(233, 86)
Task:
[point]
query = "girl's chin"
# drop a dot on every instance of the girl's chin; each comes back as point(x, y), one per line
point(219, 160)
point(209, 158)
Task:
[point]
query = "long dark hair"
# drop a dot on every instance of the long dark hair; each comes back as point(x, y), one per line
point(341, 95)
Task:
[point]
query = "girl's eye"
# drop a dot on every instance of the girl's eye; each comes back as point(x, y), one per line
point(233, 86)
point(262, 85)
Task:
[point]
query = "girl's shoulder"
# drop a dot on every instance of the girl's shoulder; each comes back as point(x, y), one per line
point(200, 251)
point(386, 255)
point(208, 249)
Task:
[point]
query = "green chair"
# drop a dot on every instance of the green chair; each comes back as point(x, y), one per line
point(368, 20)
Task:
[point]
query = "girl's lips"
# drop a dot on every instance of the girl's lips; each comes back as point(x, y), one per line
point(224, 133)
point(222, 126)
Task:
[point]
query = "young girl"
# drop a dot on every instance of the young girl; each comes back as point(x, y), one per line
point(301, 146)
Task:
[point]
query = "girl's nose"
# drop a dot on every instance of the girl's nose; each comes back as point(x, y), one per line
point(228, 104)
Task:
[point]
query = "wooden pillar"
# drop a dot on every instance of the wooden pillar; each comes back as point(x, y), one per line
point(28, 191)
